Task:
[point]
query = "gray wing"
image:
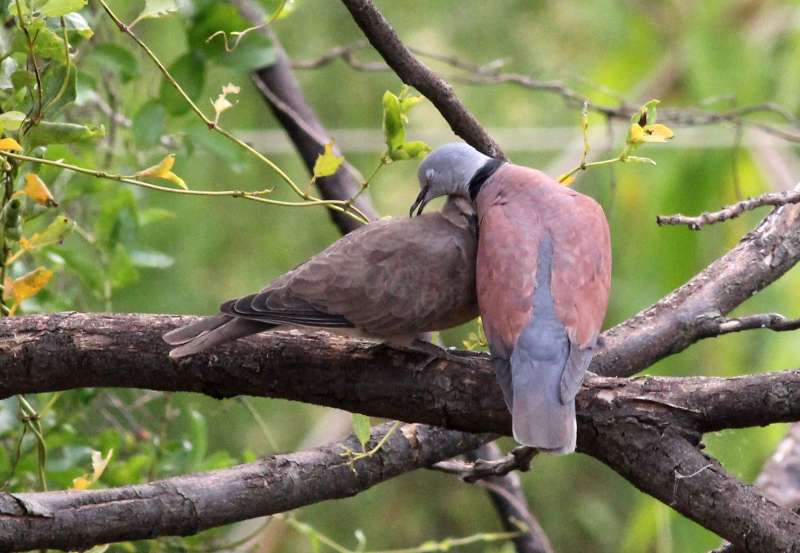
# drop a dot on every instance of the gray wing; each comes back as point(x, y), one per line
point(574, 371)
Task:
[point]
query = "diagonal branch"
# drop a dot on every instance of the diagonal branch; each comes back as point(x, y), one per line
point(663, 463)
point(185, 505)
point(414, 73)
point(693, 311)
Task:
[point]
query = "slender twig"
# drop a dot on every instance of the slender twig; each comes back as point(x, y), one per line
point(256, 196)
point(732, 211)
point(211, 124)
point(487, 75)
point(717, 326)
point(518, 458)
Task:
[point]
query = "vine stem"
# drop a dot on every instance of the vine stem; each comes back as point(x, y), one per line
point(309, 199)
point(256, 196)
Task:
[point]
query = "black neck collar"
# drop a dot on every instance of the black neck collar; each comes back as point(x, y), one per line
point(482, 175)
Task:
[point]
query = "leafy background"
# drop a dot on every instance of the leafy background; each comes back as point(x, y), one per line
point(158, 252)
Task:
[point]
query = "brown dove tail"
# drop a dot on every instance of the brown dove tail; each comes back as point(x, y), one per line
point(217, 330)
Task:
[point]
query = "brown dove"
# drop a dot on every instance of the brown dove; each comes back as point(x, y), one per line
point(391, 280)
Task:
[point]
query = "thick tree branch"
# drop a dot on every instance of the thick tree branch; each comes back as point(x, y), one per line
point(414, 73)
point(694, 310)
point(661, 461)
point(185, 505)
point(45, 353)
point(732, 211)
point(619, 419)
point(780, 477)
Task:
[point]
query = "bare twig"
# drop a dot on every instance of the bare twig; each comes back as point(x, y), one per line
point(518, 458)
point(732, 211)
point(509, 500)
point(489, 75)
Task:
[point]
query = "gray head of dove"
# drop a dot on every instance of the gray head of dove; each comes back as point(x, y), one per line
point(447, 171)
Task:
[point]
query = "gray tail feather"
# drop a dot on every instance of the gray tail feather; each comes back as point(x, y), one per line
point(539, 417)
point(218, 329)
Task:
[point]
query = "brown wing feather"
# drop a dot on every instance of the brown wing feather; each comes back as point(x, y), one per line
point(392, 277)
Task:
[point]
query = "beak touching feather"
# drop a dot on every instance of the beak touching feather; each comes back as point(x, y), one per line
point(420, 203)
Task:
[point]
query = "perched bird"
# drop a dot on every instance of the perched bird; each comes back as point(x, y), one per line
point(391, 279)
point(543, 280)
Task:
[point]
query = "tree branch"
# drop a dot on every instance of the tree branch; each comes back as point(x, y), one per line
point(619, 419)
point(281, 92)
point(693, 311)
point(663, 463)
point(185, 505)
point(505, 491)
point(732, 211)
point(414, 73)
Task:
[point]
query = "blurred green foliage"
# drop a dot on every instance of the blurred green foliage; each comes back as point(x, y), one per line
point(144, 251)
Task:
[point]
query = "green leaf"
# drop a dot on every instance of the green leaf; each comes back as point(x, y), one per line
point(190, 72)
point(57, 8)
point(362, 428)
point(77, 25)
point(54, 132)
point(121, 269)
point(49, 45)
point(11, 120)
point(393, 129)
point(327, 163)
point(148, 124)
point(415, 149)
point(111, 57)
point(154, 9)
point(56, 95)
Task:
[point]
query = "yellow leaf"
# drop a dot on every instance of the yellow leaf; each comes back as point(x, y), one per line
point(37, 190)
point(30, 284)
point(649, 133)
point(53, 234)
point(328, 162)
point(658, 132)
point(164, 171)
point(99, 465)
point(636, 135)
point(81, 482)
point(9, 145)
point(164, 166)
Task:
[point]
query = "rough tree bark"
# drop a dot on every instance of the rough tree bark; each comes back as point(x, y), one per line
point(622, 422)
point(185, 505)
point(282, 93)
